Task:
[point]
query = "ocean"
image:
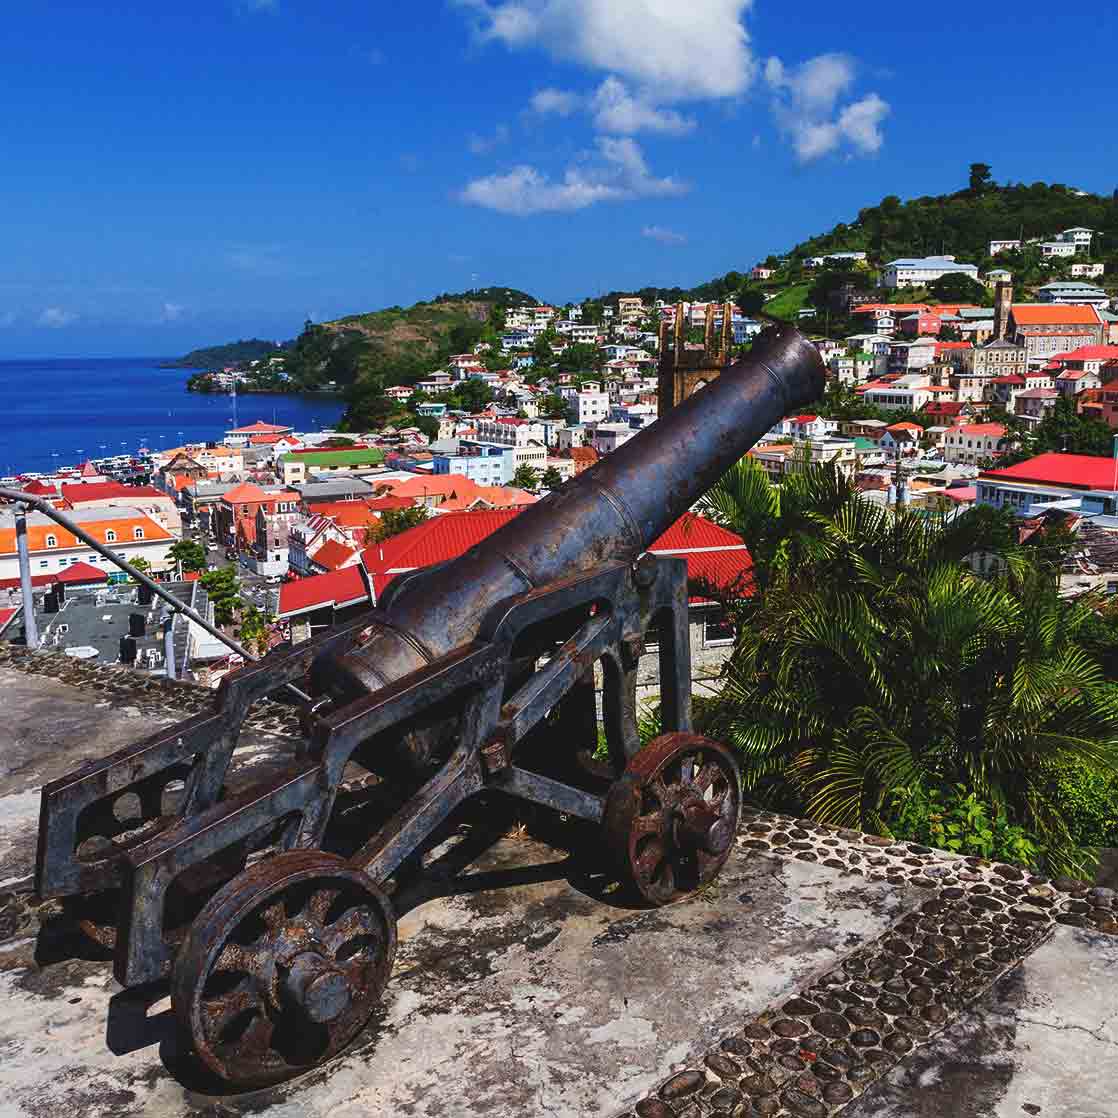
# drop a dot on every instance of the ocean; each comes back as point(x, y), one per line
point(60, 412)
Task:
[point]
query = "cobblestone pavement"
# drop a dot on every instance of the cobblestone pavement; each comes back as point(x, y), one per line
point(811, 1055)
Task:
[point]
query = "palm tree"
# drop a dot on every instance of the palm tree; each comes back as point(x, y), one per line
point(873, 656)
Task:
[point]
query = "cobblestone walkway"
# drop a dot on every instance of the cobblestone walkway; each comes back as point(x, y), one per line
point(812, 1054)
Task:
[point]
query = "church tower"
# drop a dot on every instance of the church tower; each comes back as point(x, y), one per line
point(686, 367)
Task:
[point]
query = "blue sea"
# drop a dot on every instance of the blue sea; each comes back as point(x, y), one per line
point(60, 412)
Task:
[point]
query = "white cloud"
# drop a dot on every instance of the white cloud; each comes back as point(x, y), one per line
point(617, 110)
point(618, 172)
point(860, 123)
point(561, 102)
point(670, 51)
point(57, 317)
point(172, 312)
point(664, 236)
point(481, 145)
point(805, 100)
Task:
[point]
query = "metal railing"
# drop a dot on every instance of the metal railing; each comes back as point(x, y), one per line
point(24, 501)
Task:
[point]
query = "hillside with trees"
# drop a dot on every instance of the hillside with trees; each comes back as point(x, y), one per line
point(363, 354)
point(232, 353)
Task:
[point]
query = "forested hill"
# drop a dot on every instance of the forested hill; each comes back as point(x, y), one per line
point(215, 356)
point(366, 353)
point(963, 224)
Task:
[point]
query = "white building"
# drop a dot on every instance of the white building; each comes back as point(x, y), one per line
point(609, 436)
point(908, 393)
point(1057, 248)
point(590, 404)
point(1088, 271)
point(1004, 246)
point(508, 431)
point(920, 271)
point(1073, 292)
point(1078, 236)
point(972, 442)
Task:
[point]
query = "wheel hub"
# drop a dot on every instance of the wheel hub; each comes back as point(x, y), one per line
point(700, 827)
point(318, 988)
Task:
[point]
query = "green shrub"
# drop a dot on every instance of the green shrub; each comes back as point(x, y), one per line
point(1088, 805)
point(952, 818)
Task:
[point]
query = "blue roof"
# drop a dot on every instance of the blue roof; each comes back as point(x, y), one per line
point(931, 262)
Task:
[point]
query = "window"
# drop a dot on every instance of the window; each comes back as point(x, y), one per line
point(137, 533)
point(717, 630)
point(110, 536)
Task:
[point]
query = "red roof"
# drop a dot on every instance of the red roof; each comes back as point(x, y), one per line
point(89, 470)
point(39, 488)
point(76, 492)
point(714, 555)
point(260, 428)
point(1088, 353)
point(6, 615)
point(1073, 471)
point(941, 346)
point(981, 429)
point(1054, 314)
point(804, 418)
point(333, 555)
point(74, 574)
point(963, 494)
point(337, 588)
point(942, 407)
point(1007, 380)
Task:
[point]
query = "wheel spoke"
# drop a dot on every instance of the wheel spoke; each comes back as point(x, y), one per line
point(320, 903)
point(218, 1012)
point(651, 824)
point(275, 915)
point(256, 1039)
point(234, 957)
point(356, 922)
point(706, 777)
point(646, 862)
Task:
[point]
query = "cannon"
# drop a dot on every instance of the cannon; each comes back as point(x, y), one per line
point(475, 675)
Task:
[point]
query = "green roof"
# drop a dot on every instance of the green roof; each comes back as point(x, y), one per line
point(864, 444)
point(368, 457)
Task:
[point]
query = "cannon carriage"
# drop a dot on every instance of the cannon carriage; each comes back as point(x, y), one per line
point(477, 674)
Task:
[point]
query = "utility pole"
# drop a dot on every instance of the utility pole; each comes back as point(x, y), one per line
point(169, 644)
point(30, 630)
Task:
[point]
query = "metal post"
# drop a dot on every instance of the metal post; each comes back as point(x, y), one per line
point(169, 644)
point(30, 629)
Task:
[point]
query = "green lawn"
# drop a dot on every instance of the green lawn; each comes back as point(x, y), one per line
point(788, 302)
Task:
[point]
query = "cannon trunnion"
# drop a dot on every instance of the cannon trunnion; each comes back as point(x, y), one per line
point(477, 675)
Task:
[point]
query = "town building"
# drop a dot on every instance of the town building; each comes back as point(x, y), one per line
point(301, 466)
point(239, 437)
point(1068, 292)
point(920, 271)
point(130, 533)
point(160, 506)
point(1087, 271)
point(1086, 481)
point(1049, 329)
point(1004, 246)
point(234, 519)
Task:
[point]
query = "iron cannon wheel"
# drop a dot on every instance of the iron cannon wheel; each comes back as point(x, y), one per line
point(283, 967)
point(673, 815)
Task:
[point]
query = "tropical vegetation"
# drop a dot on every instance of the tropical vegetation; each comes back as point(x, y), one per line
point(912, 675)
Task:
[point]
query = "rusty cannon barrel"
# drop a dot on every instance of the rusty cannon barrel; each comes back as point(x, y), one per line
point(609, 513)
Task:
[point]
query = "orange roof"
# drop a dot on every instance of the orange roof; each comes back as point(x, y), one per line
point(122, 526)
point(1052, 314)
point(333, 555)
point(904, 427)
point(245, 494)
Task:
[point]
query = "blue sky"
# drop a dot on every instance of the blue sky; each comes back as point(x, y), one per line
point(179, 174)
